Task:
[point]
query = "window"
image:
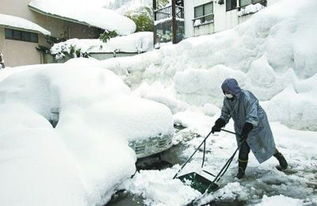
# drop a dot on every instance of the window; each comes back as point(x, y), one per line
point(8, 33)
point(21, 35)
point(203, 14)
point(34, 37)
point(244, 3)
point(231, 4)
point(17, 35)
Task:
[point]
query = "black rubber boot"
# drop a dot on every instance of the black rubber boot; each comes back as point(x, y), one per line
point(283, 163)
point(242, 166)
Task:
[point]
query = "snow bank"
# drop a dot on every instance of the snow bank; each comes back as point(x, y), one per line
point(137, 42)
point(280, 200)
point(230, 192)
point(201, 86)
point(97, 117)
point(86, 12)
point(255, 52)
point(159, 93)
point(36, 168)
point(159, 188)
point(20, 23)
point(296, 108)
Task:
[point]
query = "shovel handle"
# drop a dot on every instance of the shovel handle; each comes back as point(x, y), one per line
point(204, 141)
point(228, 131)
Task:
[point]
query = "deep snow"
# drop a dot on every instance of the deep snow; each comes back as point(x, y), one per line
point(272, 55)
point(256, 53)
point(82, 160)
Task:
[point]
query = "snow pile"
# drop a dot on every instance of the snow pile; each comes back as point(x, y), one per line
point(159, 188)
point(157, 92)
point(232, 191)
point(280, 200)
point(98, 115)
point(36, 167)
point(20, 23)
point(280, 71)
point(251, 9)
point(86, 12)
point(137, 42)
point(256, 53)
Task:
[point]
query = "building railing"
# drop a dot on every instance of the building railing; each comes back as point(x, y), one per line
point(166, 12)
point(203, 20)
point(243, 5)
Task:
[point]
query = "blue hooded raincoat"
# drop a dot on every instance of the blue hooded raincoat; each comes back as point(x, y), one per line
point(245, 108)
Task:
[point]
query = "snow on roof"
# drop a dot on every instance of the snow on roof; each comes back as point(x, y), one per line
point(21, 23)
point(85, 13)
point(124, 6)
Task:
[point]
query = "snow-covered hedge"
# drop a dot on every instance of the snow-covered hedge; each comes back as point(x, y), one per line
point(137, 42)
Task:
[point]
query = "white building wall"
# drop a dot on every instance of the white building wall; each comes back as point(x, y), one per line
point(223, 19)
point(203, 29)
point(190, 30)
point(244, 18)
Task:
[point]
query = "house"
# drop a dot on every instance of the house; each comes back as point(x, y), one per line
point(26, 24)
point(201, 17)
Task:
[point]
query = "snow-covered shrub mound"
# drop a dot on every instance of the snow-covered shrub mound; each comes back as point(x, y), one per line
point(272, 51)
point(97, 116)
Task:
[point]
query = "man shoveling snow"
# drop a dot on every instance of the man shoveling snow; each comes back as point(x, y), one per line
point(251, 125)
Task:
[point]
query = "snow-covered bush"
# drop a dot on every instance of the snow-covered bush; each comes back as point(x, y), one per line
point(106, 35)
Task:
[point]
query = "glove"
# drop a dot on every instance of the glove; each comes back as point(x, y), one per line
point(246, 130)
point(218, 125)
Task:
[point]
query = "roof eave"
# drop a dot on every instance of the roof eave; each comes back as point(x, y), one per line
point(60, 17)
point(22, 29)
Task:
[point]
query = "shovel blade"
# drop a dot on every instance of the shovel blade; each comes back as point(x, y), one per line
point(198, 182)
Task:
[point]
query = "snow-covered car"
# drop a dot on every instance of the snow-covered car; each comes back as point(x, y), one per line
point(145, 123)
point(95, 116)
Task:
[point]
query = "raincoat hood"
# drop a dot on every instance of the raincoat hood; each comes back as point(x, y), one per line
point(231, 86)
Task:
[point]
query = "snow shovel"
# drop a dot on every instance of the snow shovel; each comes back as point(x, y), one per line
point(199, 182)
